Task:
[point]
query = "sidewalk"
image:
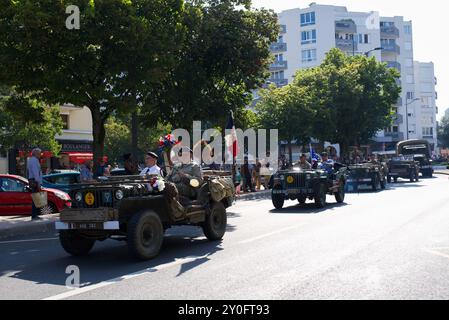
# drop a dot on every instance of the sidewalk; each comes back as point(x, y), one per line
point(22, 226)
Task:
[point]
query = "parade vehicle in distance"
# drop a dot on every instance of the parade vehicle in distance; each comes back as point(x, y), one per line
point(297, 184)
point(140, 209)
point(420, 150)
point(369, 174)
point(403, 167)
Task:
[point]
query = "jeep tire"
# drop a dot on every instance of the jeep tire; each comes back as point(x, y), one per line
point(340, 194)
point(74, 243)
point(320, 195)
point(277, 199)
point(145, 235)
point(214, 227)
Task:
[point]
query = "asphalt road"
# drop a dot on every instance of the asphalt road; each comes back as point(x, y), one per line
point(392, 244)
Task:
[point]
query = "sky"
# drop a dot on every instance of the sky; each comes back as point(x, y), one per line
point(430, 17)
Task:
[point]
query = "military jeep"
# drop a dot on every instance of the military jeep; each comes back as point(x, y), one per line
point(420, 150)
point(314, 185)
point(403, 167)
point(127, 208)
point(370, 174)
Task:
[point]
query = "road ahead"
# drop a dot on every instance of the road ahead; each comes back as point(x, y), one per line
point(387, 245)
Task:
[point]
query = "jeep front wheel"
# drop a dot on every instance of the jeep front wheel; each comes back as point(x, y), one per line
point(320, 196)
point(216, 222)
point(340, 195)
point(277, 199)
point(74, 243)
point(145, 235)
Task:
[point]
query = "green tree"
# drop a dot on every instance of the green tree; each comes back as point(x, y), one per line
point(352, 98)
point(28, 123)
point(122, 49)
point(225, 55)
point(443, 132)
point(288, 110)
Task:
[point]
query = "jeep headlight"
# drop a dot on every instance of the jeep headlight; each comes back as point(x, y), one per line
point(308, 176)
point(119, 194)
point(78, 197)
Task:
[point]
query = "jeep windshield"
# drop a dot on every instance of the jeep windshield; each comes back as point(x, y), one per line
point(403, 158)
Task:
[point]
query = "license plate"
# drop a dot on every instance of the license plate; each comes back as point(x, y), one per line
point(86, 226)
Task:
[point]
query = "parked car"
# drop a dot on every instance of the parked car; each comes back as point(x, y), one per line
point(15, 197)
point(66, 181)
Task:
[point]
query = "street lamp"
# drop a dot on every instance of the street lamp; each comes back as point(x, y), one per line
point(375, 49)
point(406, 110)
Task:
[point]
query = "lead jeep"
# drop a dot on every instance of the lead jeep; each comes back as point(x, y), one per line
point(370, 174)
point(403, 167)
point(314, 185)
point(128, 209)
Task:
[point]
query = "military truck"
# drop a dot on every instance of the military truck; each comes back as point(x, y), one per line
point(403, 167)
point(369, 174)
point(139, 210)
point(420, 150)
point(315, 185)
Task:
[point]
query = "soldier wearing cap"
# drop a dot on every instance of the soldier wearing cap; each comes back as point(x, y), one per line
point(151, 165)
point(183, 173)
point(326, 163)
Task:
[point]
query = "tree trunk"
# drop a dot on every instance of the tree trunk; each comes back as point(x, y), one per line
point(99, 134)
point(290, 153)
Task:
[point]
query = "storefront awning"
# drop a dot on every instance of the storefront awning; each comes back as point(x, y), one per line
point(79, 157)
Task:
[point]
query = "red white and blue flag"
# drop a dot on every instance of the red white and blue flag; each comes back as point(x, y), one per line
point(232, 144)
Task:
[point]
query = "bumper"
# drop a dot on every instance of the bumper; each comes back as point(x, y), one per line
point(293, 191)
point(366, 180)
point(110, 225)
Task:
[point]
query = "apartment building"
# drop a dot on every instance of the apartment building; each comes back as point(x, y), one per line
point(309, 33)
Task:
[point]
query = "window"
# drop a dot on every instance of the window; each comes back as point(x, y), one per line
point(281, 39)
point(309, 55)
point(65, 121)
point(408, 46)
point(366, 38)
point(307, 19)
point(427, 132)
point(425, 102)
point(11, 185)
point(395, 129)
point(279, 57)
point(308, 37)
point(408, 30)
point(410, 95)
point(427, 121)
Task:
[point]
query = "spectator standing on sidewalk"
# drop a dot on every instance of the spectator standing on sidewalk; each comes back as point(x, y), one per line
point(257, 169)
point(34, 173)
point(247, 174)
point(86, 172)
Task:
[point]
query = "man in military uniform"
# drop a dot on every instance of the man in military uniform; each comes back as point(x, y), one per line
point(303, 164)
point(326, 164)
point(183, 173)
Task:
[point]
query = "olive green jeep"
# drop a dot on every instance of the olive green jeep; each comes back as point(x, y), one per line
point(314, 185)
point(132, 209)
point(370, 174)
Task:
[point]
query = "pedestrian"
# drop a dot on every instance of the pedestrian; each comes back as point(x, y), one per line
point(247, 174)
point(131, 167)
point(101, 165)
point(256, 171)
point(107, 171)
point(86, 172)
point(34, 174)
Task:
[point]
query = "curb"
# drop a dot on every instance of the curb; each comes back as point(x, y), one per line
point(254, 196)
point(10, 229)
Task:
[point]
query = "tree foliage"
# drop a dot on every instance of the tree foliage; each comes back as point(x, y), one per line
point(443, 132)
point(27, 123)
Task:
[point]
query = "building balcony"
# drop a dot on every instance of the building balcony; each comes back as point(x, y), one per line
point(283, 28)
point(346, 44)
point(389, 31)
point(394, 64)
point(345, 26)
point(278, 47)
point(395, 136)
point(278, 65)
point(391, 47)
point(278, 82)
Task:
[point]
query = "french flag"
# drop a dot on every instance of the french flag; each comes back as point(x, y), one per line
point(231, 138)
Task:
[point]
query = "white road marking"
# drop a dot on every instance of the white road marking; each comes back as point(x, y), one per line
point(78, 291)
point(29, 240)
point(271, 234)
point(437, 253)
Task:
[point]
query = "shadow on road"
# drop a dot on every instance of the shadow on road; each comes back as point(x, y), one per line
point(309, 208)
point(109, 260)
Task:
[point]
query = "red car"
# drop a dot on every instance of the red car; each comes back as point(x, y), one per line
point(15, 197)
